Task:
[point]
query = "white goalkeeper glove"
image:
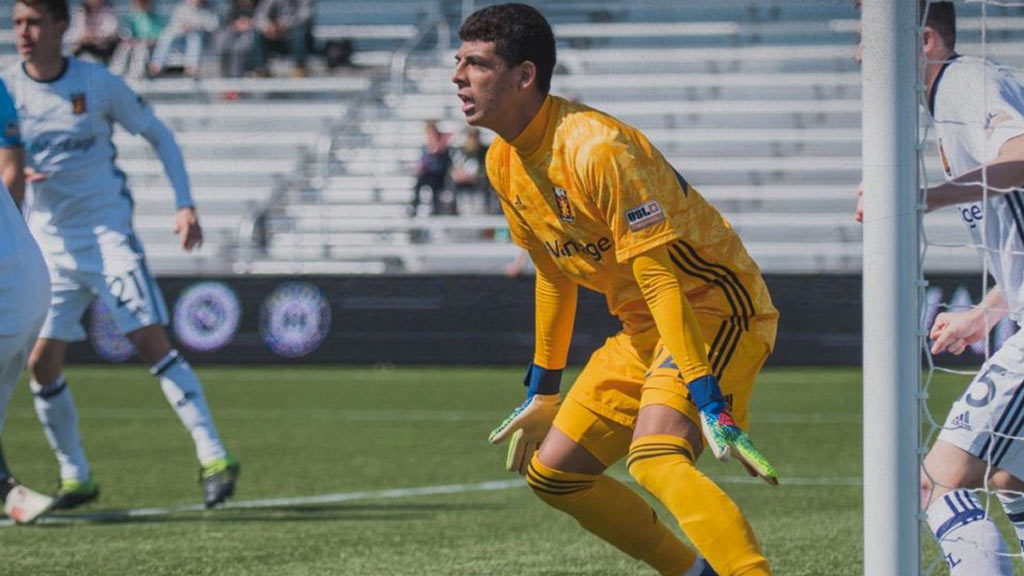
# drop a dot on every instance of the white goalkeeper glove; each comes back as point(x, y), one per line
point(529, 423)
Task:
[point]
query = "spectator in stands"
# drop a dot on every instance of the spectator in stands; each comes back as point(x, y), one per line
point(142, 28)
point(94, 31)
point(284, 26)
point(235, 40)
point(432, 170)
point(191, 22)
point(469, 175)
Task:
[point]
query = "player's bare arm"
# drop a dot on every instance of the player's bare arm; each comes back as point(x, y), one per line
point(12, 165)
point(31, 176)
point(953, 332)
point(1001, 176)
point(186, 225)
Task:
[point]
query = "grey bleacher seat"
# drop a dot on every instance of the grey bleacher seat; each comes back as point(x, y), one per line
point(756, 102)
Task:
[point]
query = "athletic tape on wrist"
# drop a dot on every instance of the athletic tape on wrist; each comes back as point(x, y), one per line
point(706, 393)
point(541, 381)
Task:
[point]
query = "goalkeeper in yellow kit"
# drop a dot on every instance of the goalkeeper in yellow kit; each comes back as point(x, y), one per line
point(595, 204)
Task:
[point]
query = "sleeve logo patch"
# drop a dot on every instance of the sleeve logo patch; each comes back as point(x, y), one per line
point(644, 215)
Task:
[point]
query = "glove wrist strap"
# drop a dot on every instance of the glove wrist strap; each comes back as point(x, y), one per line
point(706, 394)
point(541, 380)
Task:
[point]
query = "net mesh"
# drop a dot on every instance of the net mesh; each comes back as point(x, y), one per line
point(954, 278)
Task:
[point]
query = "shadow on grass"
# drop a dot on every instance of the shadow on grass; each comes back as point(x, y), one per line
point(331, 512)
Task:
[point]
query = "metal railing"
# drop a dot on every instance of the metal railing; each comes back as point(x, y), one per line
point(435, 21)
point(251, 236)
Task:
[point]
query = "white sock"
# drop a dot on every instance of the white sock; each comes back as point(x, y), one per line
point(968, 537)
point(1013, 505)
point(55, 408)
point(184, 392)
point(700, 568)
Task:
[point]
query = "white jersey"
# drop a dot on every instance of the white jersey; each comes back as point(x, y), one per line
point(66, 127)
point(976, 108)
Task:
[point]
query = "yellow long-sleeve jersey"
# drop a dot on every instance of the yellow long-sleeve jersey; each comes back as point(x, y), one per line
point(592, 193)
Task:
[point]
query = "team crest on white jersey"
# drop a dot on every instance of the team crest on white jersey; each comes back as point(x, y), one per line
point(78, 103)
point(564, 207)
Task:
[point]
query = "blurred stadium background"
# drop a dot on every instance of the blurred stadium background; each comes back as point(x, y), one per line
point(311, 257)
point(757, 103)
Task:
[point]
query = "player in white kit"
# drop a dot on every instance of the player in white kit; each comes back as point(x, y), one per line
point(978, 118)
point(24, 298)
point(80, 212)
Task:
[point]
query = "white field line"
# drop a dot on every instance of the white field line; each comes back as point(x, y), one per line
point(395, 493)
point(419, 415)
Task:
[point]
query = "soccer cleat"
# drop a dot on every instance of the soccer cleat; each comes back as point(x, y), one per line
point(726, 438)
point(74, 493)
point(218, 479)
point(21, 504)
point(527, 425)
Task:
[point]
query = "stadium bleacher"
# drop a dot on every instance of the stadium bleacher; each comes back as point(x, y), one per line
point(757, 103)
point(759, 107)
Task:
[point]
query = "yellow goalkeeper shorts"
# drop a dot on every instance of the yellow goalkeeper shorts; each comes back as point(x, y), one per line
point(634, 370)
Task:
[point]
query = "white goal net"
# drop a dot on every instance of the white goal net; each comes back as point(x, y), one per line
point(954, 274)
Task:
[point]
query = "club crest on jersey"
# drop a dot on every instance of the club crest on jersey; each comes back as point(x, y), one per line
point(518, 204)
point(78, 103)
point(564, 208)
point(644, 215)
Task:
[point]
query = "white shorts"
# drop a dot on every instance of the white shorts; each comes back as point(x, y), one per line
point(988, 419)
point(115, 273)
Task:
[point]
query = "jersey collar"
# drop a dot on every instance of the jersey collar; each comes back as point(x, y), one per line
point(531, 138)
point(63, 71)
point(935, 85)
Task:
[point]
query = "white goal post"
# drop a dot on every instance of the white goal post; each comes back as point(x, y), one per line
point(891, 270)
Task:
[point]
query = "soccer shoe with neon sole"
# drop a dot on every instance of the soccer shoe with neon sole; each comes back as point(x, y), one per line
point(218, 479)
point(22, 504)
point(527, 425)
point(74, 493)
point(726, 439)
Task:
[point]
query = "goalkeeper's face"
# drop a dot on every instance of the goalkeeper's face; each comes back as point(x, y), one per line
point(487, 85)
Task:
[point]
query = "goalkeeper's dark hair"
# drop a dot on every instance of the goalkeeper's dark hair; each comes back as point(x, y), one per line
point(57, 8)
point(519, 32)
point(940, 17)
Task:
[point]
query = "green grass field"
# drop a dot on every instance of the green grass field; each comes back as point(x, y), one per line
point(302, 432)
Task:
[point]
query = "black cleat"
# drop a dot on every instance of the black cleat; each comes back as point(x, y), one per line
point(74, 493)
point(218, 480)
point(6, 485)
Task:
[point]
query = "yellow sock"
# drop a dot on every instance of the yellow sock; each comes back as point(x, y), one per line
point(664, 466)
point(614, 513)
